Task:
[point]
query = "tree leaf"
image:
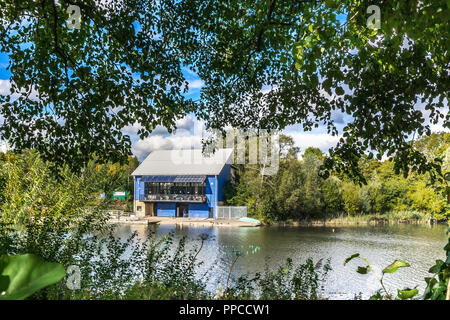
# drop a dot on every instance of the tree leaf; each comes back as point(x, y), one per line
point(395, 265)
point(347, 260)
point(28, 274)
point(362, 270)
point(376, 296)
point(447, 246)
point(4, 283)
point(407, 293)
point(437, 267)
point(340, 91)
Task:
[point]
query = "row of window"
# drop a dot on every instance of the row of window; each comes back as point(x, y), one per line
point(192, 188)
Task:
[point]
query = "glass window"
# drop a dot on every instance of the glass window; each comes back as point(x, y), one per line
point(170, 188)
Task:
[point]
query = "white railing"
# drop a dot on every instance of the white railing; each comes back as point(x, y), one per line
point(119, 213)
point(224, 212)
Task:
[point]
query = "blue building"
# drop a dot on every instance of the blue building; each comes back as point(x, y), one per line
point(181, 183)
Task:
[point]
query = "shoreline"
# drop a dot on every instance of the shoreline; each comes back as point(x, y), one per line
point(346, 222)
point(186, 222)
point(211, 222)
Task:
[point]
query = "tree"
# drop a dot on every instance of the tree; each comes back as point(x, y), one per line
point(287, 147)
point(284, 62)
point(31, 190)
point(332, 196)
point(426, 199)
point(350, 196)
point(114, 176)
point(313, 197)
point(73, 91)
point(265, 64)
point(314, 152)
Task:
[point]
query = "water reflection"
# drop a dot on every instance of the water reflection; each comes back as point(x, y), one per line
point(419, 245)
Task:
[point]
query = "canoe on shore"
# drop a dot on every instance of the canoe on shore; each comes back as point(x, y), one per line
point(247, 219)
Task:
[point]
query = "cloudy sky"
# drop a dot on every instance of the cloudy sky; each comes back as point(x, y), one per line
point(190, 130)
point(189, 135)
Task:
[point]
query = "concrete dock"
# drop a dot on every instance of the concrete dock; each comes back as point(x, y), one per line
point(201, 222)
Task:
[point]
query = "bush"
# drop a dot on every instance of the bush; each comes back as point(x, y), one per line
point(289, 282)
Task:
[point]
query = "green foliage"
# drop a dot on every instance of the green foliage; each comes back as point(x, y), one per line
point(316, 152)
point(114, 176)
point(407, 293)
point(332, 196)
point(392, 268)
point(438, 286)
point(109, 266)
point(298, 192)
point(288, 282)
point(146, 268)
point(351, 199)
point(64, 230)
point(426, 199)
point(23, 275)
point(80, 88)
point(323, 54)
point(88, 84)
point(353, 256)
point(31, 189)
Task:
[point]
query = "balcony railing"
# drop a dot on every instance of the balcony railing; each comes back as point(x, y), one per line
point(175, 198)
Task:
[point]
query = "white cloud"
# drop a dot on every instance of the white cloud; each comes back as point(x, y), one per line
point(188, 135)
point(322, 141)
point(184, 124)
point(4, 147)
point(195, 84)
point(5, 90)
point(132, 129)
point(5, 86)
point(142, 148)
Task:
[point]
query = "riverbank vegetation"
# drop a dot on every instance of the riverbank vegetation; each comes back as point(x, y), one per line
point(298, 193)
point(61, 219)
point(30, 186)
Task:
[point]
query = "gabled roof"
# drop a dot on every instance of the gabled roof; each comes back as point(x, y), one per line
point(184, 162)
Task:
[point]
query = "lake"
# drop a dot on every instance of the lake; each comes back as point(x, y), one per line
point(419, 245)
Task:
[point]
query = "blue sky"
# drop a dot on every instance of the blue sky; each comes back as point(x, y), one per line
point(4, 73)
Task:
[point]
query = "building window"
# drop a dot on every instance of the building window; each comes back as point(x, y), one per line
point(139, 208)
point(154, 190)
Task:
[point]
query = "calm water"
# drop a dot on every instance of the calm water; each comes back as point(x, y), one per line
point(418, 245)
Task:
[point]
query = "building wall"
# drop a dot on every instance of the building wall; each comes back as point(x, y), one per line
point(211, 194)
point(140, 204)
point(222, 179)
point(196, 210)
point(166, 209)
point(139, 188)
point(199, 210)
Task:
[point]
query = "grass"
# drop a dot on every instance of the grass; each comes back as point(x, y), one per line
point(393, 217)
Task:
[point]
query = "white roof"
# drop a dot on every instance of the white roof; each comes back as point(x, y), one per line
point(184, 162)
